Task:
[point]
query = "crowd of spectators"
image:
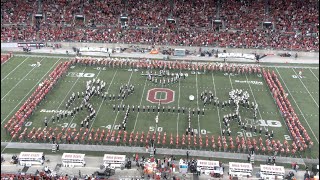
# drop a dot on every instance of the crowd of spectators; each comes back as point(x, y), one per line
point(40, 175)
point(295, 23)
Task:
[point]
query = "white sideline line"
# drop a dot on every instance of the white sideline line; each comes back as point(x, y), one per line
point(29, 92)
point(230, 82)
point(135, 123)
point(199, 133)
point(14, 69)
point(20, 81)
point(314, 75)
point(297, 106)
point(215, 94)
point(103, 100)
point(306, 88)
point(254, 99)
point(178, 117)
point(115, 119)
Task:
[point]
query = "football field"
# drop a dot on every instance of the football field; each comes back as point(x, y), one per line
point(20, 76)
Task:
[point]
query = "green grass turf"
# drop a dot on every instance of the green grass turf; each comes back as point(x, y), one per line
point(18, 84)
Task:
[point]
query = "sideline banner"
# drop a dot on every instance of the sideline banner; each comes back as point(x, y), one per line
point(31, 44)
point(236, 55)
point(9, 45)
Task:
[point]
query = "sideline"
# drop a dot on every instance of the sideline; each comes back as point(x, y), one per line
point(163, 151)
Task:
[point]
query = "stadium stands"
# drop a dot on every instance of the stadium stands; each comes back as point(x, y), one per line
point(294, 23)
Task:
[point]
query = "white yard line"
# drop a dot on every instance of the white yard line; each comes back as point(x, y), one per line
point(297, 106)
point(158, 112)
point(305, 88)
point(198, 104)
point(29, 91)
point(255, 101)
point(314, 75)
point(20, 80)
point(215, 94)
point(102, 99)
point(135, 123)
point(178, 117)
point(70, 90)
point(115, 119)
point(69, 124)
point(230, 82)
point(243, 131)
point(14, 69)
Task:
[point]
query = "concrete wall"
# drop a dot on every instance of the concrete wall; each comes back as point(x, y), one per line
point(234, 50)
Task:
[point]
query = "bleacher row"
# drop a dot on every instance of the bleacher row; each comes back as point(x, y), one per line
point(295, 23)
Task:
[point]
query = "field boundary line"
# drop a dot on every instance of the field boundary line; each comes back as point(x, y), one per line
point(215, 94)
point(103, 99)
point(14, 69)
point(30, 90)
point(20, 81)
point(135, 123)
point(115, 119)
point(306, 88)
point(314, 74)
point(44, 56)
point(297, 106)
point(230, 81)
